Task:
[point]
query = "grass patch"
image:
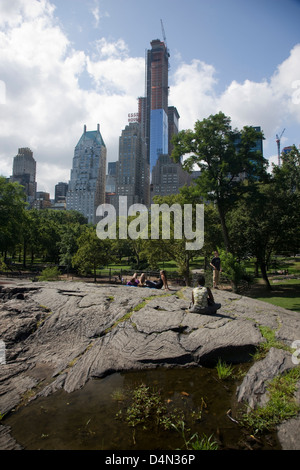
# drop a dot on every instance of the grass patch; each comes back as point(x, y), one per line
point(281, 405)
point(285, 293)
point(135, 309)
point(271, 342)
point(224, 370)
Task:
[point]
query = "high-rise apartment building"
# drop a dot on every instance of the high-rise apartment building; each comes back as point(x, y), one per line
point(24, 172)
point(167, 177)
point(157, 69)
point(61, 190)
point(86, 189)
point(132, 179)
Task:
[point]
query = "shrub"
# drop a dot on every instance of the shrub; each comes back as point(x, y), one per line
point(235, 270)
point(49, 274)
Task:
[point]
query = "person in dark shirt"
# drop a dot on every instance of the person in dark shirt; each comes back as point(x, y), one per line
point(216, 265)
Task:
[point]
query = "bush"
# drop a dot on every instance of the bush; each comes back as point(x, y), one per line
point(49, 274)
point(235, 270)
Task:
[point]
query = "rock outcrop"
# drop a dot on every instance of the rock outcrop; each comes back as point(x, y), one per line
point(61, 334)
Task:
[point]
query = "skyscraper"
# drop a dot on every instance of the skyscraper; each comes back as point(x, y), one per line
point(24, 172)
point(86, 189)
point(157, 100)
point(132, 168)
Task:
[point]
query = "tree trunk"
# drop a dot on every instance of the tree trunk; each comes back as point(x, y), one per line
point(24, 254)
point(265, 275)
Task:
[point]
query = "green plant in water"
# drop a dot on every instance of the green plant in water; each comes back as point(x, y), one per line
point(224, 370)
point(195, 442)
point(118, 395)
point(281, 404)
point(147, 407)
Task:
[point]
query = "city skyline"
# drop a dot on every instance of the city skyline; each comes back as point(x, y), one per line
point(242, 58)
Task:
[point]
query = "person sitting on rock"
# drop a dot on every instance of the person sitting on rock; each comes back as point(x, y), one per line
point(162, 282)
point(202, 299)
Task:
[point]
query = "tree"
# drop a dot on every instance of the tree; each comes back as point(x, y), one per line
point(228, 162)
point(171, 248)
point(92, 252)
point(12, 205)
point(261, 224)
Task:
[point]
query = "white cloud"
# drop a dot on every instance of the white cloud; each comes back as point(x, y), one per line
point(272, 104)
point(192, 91)
point(97, 13)
point(46, 106)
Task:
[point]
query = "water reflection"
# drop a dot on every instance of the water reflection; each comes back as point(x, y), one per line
point(86, 419)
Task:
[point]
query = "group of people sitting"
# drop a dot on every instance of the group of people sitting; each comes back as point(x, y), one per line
point(202, 297)
point(143, 282)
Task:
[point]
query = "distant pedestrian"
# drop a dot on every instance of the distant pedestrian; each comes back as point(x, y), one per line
point(216, 265)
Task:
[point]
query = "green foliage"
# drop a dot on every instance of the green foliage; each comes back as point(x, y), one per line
point(49, 274)
point(234, 269)
point(147, 408)
point(3, 266)
point(224, 370)
point(271, 342)
point(280, 406)
point(92, 252)
point(12, 205)
point(222, 155)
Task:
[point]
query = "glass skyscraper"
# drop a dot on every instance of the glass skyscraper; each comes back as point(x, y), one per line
point(157, 100)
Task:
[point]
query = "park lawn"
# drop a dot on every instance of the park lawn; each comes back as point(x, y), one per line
point(285, 293)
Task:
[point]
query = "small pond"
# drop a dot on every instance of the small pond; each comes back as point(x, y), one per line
point(94, 418)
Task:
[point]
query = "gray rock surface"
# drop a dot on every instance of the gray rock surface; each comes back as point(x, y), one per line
point(61, 334)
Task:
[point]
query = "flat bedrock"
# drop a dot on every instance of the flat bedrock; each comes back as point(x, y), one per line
point(61, 334)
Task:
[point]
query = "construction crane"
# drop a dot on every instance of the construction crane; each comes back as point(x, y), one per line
point(164, 36)
point(278, 138)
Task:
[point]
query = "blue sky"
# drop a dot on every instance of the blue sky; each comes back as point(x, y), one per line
point(66, 63)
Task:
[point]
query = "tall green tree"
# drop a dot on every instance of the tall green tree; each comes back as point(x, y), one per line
point(228, 162)
point(264, 224)
point(92, 252)
point(172, 248)
point(12, 206)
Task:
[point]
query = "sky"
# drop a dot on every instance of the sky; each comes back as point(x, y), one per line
point(69, 63)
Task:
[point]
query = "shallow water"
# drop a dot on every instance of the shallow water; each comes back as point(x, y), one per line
point(86, 419)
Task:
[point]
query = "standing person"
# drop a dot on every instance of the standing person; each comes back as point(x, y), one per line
point(216, 265)
point(162, 282)
point(202, 299)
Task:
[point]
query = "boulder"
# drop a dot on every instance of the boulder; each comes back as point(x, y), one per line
point(61, 334)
